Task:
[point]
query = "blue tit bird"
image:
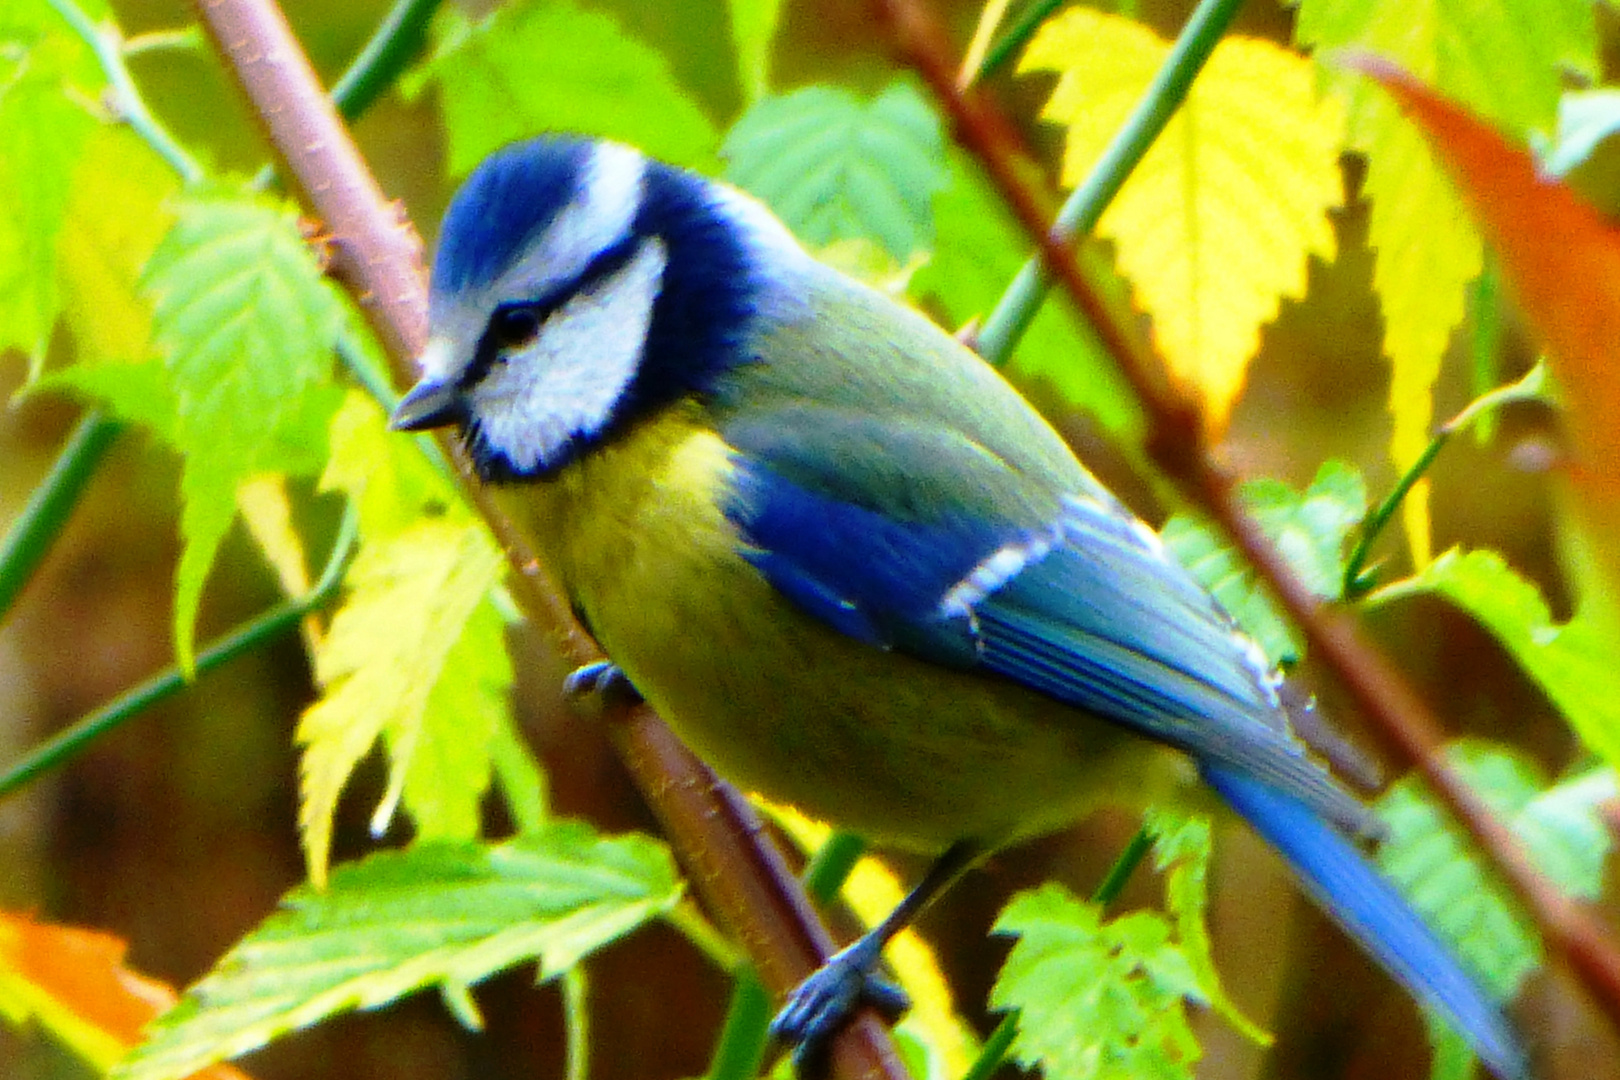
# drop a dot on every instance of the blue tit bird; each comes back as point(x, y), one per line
point(845, 560)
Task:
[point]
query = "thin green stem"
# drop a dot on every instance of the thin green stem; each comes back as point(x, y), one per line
point(831, 864)
point(1485, 302)
point(360, 364)
point(1016, 37)
point(42, 520)
point(1124, 866)
point(374, 380)
point(1357, 582)
point(1085, 206)
point(1532, 386)
point(740, 1050)
point(108, 46)
point(577, 1023)
point(995, 1049)
point(398, 38)
point(69, 743)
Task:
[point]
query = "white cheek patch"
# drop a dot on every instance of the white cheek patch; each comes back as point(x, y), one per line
point(566, 384)
point(599, 217)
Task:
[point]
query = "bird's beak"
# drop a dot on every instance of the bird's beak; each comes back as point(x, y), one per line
point(433, 402)
point(429, 404)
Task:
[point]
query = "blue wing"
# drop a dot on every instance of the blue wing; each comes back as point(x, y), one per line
point(869, 525)
point(906, 537)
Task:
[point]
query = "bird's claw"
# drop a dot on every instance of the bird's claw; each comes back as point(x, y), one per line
point(603, 679)
point(822, 1003)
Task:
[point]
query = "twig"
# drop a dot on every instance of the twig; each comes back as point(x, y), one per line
point(1177, 444)
point(108, 46)
point(728, 857)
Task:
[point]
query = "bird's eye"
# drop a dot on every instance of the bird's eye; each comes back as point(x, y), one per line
point(514, 327)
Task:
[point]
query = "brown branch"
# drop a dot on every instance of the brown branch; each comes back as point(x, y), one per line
point(728, 857)
point(1178, 445)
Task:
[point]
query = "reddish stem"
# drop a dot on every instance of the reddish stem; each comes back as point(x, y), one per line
point(728, 857)
point(1178, 445)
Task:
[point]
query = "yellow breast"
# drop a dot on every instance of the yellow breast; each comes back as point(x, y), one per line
point(876, 741)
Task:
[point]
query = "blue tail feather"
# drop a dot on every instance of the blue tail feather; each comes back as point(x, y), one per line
point(1347, 886)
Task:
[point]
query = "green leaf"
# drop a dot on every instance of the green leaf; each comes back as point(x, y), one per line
point(753, 29)
point(978, 249)
point(924, 1058)
point(1311, 529)
point(416, 655)
point(247, 323)
point(393, 485)
point(1507, 60)
point(1226, 574)
point(446, 913)
point(119, 208)
point(1452, 1057)
point(145, 393)
point(1096, 1000)
point(140, 393)
point(1181, 851)
point(447, 768)
point(1428, 857)
point(536, 67)
point(522, 783)
point(834, 167)
point(1572, 662)
point(48, 78)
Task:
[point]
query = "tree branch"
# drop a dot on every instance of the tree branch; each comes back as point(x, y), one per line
point(728, 857)
point(1177, 444)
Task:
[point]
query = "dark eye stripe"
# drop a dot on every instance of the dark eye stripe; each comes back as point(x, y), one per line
point(602, 266)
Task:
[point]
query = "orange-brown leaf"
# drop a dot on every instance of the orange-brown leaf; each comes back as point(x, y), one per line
point(73, 982)
point(1560, 257)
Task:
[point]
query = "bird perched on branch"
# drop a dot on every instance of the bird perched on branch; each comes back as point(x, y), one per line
point(845, 560)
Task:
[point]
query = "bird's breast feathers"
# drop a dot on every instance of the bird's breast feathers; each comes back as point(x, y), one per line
point(889, 744)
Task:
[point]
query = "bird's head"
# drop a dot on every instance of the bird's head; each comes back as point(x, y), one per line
point(578, 286)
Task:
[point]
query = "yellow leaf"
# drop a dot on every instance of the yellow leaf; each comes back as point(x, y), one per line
point(392, 484)
point(417, 608)
point(411, 596)
point(265, 507)
point(116, 214)
point(1428, 250)
point(1510, 61)
point(1218, 222)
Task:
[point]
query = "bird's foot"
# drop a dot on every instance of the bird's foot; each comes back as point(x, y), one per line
point(603, 679)
point(820, 1006)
